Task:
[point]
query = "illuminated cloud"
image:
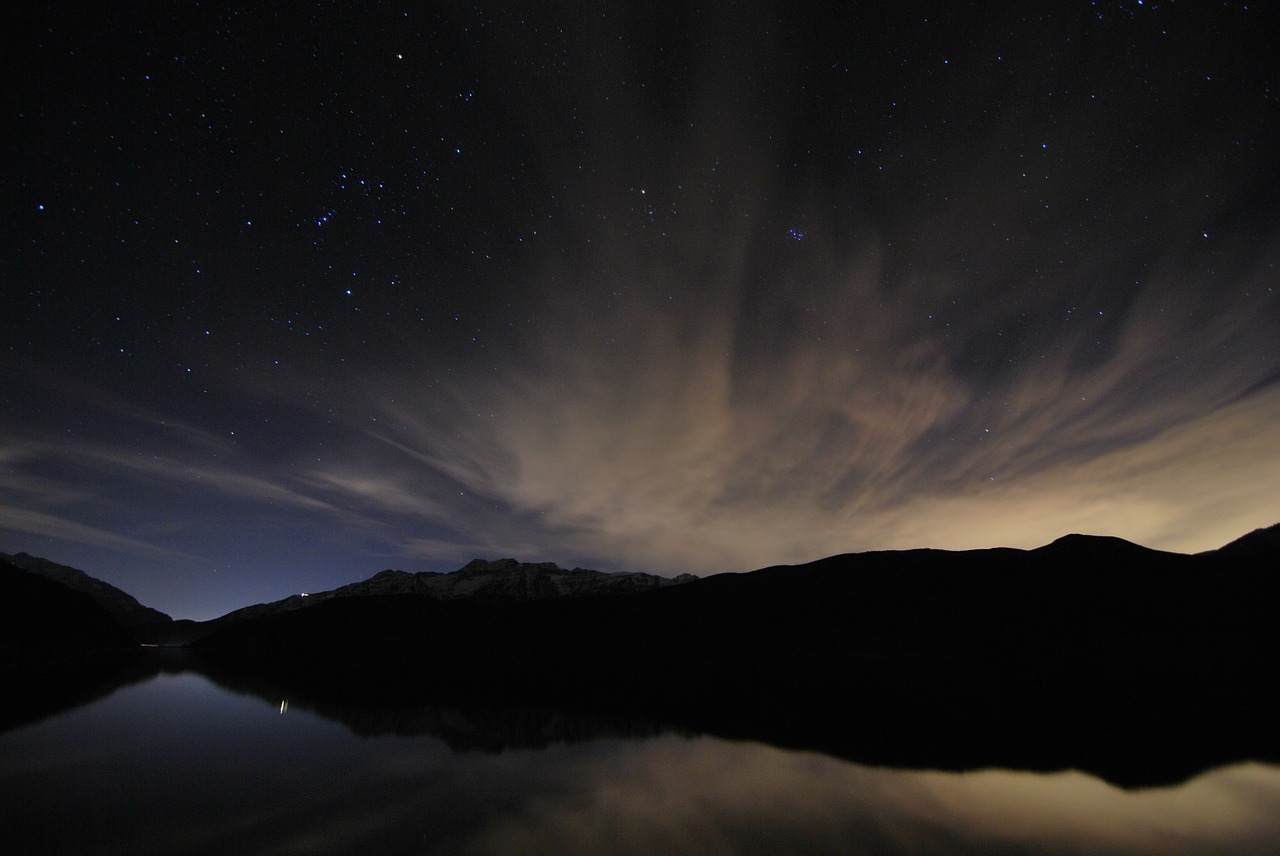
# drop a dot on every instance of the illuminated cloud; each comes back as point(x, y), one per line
point(663, 440)
point(747, 798)
point(51, 526)
point(734, 287)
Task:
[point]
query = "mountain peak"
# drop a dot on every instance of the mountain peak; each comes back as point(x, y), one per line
point(510, 578)
point(497, 566)
point(502, 579)
point(1076, 539)
point(1259, 542)
point(1085, 547)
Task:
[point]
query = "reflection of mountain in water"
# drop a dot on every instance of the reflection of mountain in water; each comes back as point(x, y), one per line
point(1131, 730)
point(59, 647)
point(462, 725)
point(1091, 653)
point(503, 579)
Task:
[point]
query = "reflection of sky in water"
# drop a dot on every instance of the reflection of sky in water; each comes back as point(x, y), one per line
point(177, 765)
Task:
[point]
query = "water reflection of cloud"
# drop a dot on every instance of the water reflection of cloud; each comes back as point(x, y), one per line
point(177, 765)
point(711, 797)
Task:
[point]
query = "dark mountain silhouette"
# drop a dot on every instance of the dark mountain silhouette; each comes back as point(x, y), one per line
point(1076, 547)
point(40, 616)
point(58, 647)
point(122, 606)
point(1258, 544)
point(503, 579)
point(1139, 665)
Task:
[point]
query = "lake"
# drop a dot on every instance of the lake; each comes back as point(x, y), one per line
point(178, 764)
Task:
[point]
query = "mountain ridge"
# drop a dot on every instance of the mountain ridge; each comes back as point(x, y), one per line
point(509, 578)
point(483, 578)
point(122, 606)
point(1078, 595)
point(1094, 653)
point(58, 647)
point(1088, 652)
point(1256, 543)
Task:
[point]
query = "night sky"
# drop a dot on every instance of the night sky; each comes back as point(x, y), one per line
point(295, 292)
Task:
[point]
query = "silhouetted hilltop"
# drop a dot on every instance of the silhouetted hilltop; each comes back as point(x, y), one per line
point(1260, 544)
point(122, 606)
point(1076, 547)
point(45, 619)
point(58, 647)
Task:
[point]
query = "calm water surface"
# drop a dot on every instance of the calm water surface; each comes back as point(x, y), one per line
point(178, 765)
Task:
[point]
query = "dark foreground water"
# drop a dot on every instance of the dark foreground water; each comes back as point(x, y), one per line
point(179, 765)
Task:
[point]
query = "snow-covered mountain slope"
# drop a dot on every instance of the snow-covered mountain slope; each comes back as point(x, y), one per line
point(505, 579)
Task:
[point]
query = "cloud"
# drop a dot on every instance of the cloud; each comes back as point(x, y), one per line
point(52, 526)
point(733, 343)
point(174, 467)
point(717, 429)
point(705, 797)
point(107, 495)
point(385, 491)
point(1193, 487)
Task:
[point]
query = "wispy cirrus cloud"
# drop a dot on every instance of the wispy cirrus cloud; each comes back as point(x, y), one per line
point(17, 519)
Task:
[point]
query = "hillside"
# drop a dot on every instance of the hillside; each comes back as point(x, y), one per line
point(122, 606)
point(1088, 652)
point(58, 647)
point(479, 579)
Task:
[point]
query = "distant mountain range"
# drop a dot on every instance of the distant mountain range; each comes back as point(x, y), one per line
point(881, 579)
point(1089, 651)
point(504, 579)
point(482, 579)
point(500, 580)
